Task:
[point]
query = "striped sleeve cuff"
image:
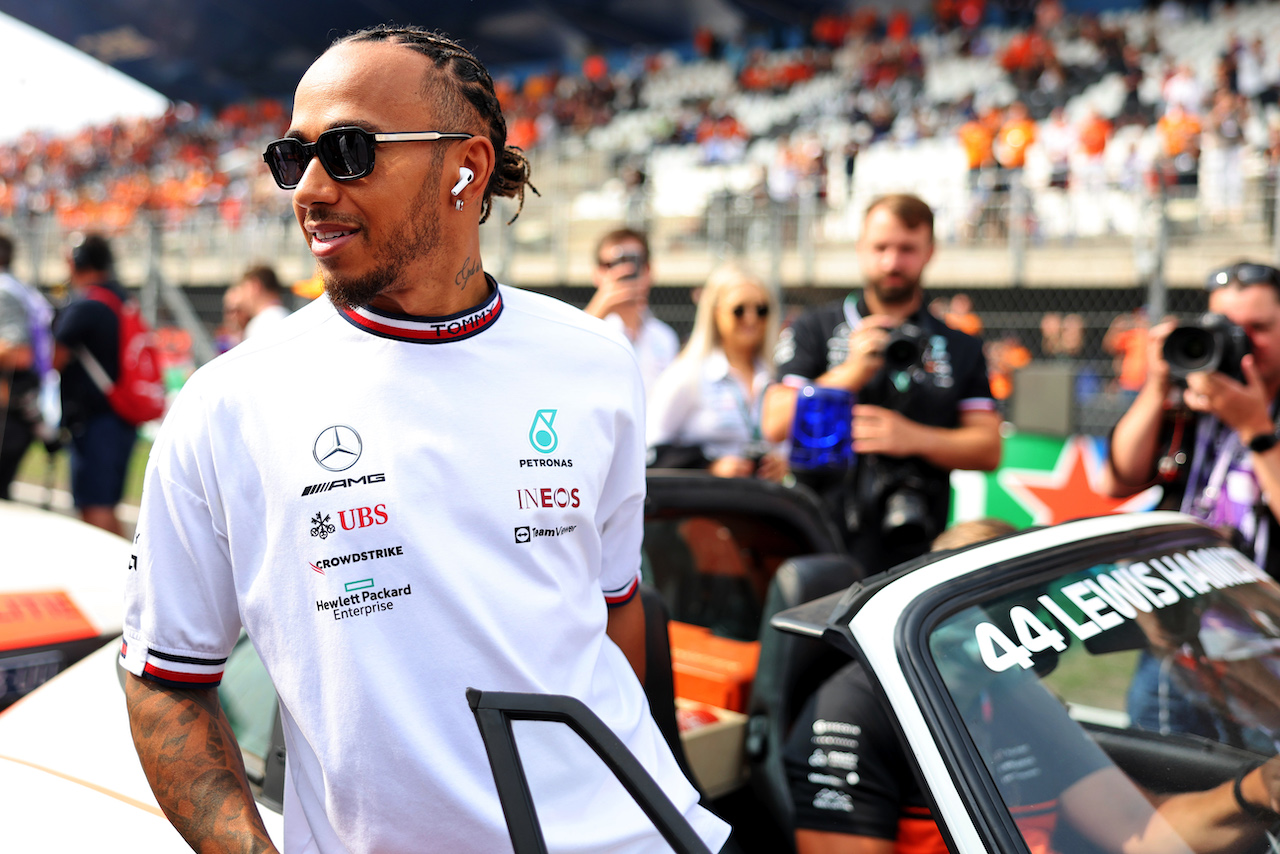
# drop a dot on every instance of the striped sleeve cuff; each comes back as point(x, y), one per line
point(180, 671)
point(977, 404)
point(623, 595)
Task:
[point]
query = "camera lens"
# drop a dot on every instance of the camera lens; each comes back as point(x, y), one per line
point(1189, 349)
point(900, 353)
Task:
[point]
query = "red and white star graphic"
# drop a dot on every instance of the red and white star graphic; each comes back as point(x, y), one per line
point(1072, 489)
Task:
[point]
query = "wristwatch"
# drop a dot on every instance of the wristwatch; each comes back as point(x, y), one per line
point(1257, 811)
point(1262, 443)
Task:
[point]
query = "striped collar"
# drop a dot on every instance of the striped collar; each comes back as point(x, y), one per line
point(428, 330)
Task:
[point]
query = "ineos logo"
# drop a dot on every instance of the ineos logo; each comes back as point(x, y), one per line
point(337, 448)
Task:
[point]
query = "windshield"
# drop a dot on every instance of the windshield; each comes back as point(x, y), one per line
point(1102, 700)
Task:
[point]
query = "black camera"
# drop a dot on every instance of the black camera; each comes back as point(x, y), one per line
point(1212, 343)
point(899, 496)
point(905, 347)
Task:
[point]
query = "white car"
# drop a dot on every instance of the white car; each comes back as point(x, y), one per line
point(69, 774)
point(61, 585)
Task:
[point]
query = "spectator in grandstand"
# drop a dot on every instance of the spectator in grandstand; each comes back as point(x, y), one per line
point(705, 409)
point(1257, 73)
point(977, 136)
point(1059, 140)
point(260, 300)
point(1025, 57)
point(1182, 89)
point(1180, 145)
point(912, 423)
point(1224, 156)
point(26, 356)
point(623, 278)
point(87, 331)
point(1093, 134)
point(432, 387)
point(1017, 134)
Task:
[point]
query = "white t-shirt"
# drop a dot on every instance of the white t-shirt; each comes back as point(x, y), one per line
point(701, 403)
point(268, 318)
point(655, 347)
point(396, 510)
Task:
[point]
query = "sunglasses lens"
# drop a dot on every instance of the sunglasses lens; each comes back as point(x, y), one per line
point(287, 160)
point(1252, 274)
point(762, 310)
point(346, 153)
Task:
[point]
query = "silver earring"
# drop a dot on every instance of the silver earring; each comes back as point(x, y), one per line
point(458, 204)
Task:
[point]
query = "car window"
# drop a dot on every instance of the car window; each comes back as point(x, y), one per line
point(1116, 684)
point(713, 569)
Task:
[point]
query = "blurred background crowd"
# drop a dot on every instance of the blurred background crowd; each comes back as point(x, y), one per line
point(1086, 170)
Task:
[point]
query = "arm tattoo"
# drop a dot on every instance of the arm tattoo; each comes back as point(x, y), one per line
point(469, 269)
point(192, 761)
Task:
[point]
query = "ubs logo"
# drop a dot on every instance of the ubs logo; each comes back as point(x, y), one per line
point(362, 517)
point(337, 448)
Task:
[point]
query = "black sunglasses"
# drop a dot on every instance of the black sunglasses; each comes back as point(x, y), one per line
point(345, 153)
point(1245, 273)
point(762, 310)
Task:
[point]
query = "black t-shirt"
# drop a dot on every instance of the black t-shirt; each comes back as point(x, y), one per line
point(950, 378)
point(848, 771)
point(93, 325)
point(845, 765)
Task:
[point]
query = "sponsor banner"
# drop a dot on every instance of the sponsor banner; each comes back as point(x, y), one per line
point(1042, 481)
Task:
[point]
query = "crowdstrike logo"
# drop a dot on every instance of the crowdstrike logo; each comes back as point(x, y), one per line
point(541, 434)
point(337, 448)
point(356, 557)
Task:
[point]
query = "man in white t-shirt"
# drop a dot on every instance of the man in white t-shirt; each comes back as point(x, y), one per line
point(622, 278)
point(425, 482)
point(260, 298)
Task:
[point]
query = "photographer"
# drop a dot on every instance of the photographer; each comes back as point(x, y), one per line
point(1225, 456)
point(622, 278)
point(917, 416)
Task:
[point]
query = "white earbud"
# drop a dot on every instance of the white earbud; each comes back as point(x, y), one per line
point(465, 177)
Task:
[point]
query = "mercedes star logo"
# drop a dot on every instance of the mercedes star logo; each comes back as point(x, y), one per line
point(337, 448)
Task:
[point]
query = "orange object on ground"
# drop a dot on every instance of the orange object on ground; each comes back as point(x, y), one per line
point(710, 669)
point(41, 617)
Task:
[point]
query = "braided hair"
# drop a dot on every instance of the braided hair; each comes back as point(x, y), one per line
point(462, 87)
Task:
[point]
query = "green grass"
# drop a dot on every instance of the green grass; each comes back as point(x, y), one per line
point(35, 469)
point(1093, 680)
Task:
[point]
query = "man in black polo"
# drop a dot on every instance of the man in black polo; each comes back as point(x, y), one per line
point(914, 420)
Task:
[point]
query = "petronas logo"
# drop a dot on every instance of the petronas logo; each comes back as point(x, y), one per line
point(542, 435)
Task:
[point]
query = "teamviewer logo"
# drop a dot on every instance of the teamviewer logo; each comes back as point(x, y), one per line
point(522, 534)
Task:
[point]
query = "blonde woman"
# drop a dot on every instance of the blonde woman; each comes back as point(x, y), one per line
point(705, 407)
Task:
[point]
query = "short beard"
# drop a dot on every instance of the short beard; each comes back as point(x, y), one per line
point(418, 235)
point(896, 295)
